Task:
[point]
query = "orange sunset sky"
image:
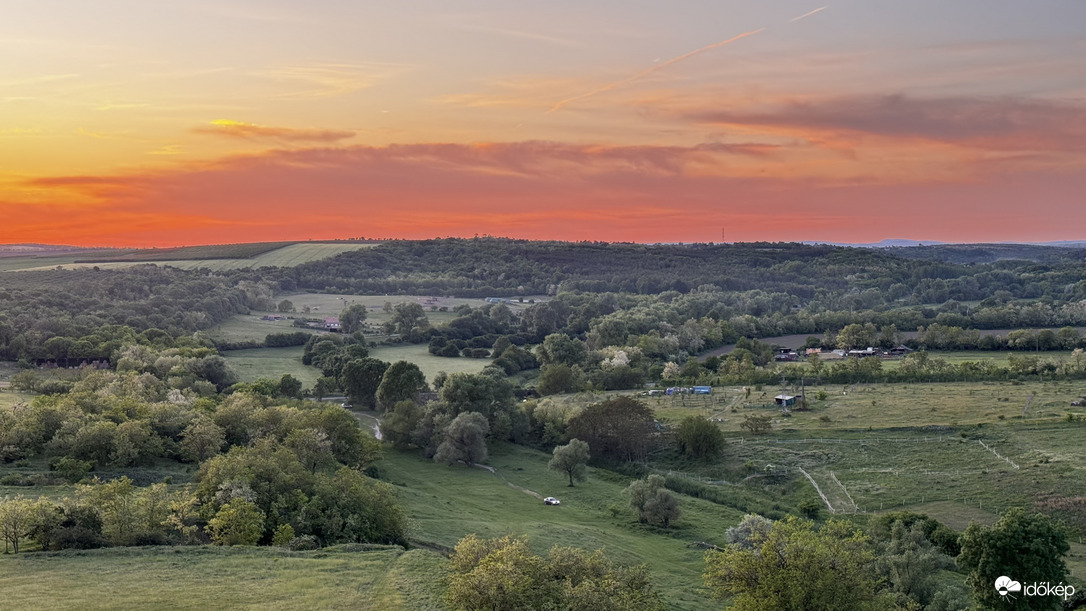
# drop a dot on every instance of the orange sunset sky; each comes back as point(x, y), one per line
point(135, 123)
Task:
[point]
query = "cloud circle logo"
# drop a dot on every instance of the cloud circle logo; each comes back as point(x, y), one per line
point(1005, 585)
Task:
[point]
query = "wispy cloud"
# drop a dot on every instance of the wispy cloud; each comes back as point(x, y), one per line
point(328, 79)
point(251, 131)
point(653, 69)
point(987, 122)
point(522, 34)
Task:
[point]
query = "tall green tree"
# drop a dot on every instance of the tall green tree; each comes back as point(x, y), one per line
point(352, 317)
point(571, 459)
point(1026, 547)
point(361, 378)
point(406, 317)
point(401, 381)
point(16, 521)
point(464, 440)
point(618, 429)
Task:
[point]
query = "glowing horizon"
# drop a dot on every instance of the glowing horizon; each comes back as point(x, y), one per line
point(207, 123)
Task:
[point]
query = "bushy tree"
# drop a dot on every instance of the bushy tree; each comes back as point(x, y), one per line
point(796, 568)
point(361, 378)
point(757, 424)
point(654, 503)
point(505, 574)
point(698, 438)
point(289, 386)
point(238, 522)
point(618, 429)
point(910, 563)
point(402, 380)
point(352, 317)
point(556, 378)
point(1023, 546)
point(571, 459)
point(464, 440)
point(406, 317)
point(348, 507)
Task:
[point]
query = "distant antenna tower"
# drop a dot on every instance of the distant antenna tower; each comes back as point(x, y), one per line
point(722, 235)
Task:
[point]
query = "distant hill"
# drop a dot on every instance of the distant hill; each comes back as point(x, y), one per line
point(22, 250)
point(888, 243)
point(990, 253)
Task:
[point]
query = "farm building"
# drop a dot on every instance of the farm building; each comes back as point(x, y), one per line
point(703, 390)
point(331, 324)
point(785, 400)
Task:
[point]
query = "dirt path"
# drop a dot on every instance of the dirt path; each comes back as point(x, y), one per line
point(509, 483)
point(372, 421)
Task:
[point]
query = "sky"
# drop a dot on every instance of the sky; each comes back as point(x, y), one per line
point(181, 122)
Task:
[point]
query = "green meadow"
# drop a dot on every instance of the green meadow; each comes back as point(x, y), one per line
point(207, 577)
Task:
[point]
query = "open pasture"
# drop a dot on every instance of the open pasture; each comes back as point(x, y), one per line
point(249, 328)
point(881, 406)
point(271, 363)
point(428, 363)
point(881, 447)
point(207, 577)
point(283, 256)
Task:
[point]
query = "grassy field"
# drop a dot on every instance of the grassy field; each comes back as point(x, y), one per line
point(220, 578)
point(209, 251)
point(428, 363)
point(447, 503)
point(881, 406)
point(271, 363)
point(249, 328)
point(286, 256)
point(873, 448)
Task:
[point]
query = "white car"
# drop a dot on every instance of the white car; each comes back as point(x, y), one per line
point(550, 500)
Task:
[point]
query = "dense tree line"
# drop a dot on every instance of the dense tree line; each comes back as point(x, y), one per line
point(489, 266)
point(88, 313)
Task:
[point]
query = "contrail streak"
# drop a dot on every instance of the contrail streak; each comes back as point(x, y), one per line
point(806, 15)
point(658, 67)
